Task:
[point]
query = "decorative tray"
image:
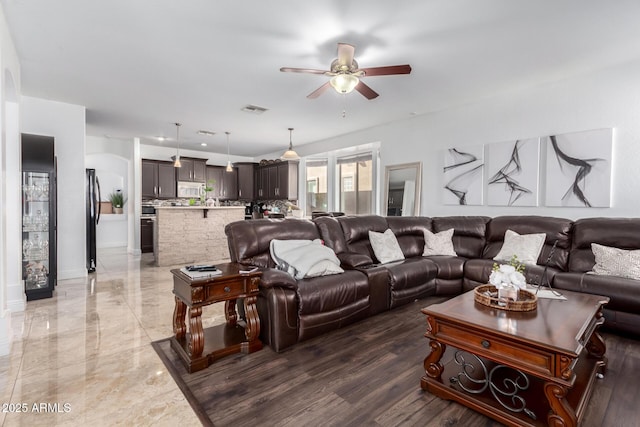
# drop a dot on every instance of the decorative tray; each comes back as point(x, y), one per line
point(488, 295)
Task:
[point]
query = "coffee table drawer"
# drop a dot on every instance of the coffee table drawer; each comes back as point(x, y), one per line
point(496, 348)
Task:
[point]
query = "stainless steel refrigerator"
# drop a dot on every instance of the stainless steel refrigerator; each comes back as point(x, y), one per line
point(93, 217)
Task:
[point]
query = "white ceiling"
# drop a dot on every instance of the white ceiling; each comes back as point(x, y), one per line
point(141, 65)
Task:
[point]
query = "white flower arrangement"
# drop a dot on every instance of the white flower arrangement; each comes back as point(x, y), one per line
point(509, 274)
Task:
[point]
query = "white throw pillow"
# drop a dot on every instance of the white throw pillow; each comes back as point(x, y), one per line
point(616, 262)
point(385, 246)
point(439, 243)
point(526, 247)
point(324, 268)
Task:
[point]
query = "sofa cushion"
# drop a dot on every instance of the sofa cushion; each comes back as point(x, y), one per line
point(321, 294)
point(616, 262)
point(249, 240)
point(468, 233)
point(355, 230)
point(438, 243)
point(557, 230)
point(449, 267)
point(409, 231)
point(624, 293)
point(526, 248)
point(385, 246)
point(623, 233)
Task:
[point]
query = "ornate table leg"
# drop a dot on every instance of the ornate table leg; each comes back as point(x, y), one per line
point(561, 415)
point(196, 343)
point(432, 366)
point(252, 330)
point(230, 313)
point(179, 326)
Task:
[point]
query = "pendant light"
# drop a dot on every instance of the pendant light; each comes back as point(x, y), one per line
point(229, 165)
point(176, 163)
point(290, 154)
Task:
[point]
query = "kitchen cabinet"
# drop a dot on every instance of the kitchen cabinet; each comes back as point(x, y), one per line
point(214, 180)
point(146, 235)
point(158, 179)
point(225, 185)
point(246, 180)
point(278, 181)
point(230, 184)
point(192, 170)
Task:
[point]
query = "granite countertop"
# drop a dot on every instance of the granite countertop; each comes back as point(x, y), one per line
point(200, 207)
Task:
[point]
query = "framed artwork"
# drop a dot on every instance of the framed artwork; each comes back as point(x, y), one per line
point(579, 169)
point(512, 172)
point(463, 175)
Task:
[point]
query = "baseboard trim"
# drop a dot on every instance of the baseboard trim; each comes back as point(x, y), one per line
point(72, 274)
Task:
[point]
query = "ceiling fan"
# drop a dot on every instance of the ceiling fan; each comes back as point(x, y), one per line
point(345, 74)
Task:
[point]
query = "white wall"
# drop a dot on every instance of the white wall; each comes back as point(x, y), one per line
point(11, 290)
point(66, 123)
point(606, 99)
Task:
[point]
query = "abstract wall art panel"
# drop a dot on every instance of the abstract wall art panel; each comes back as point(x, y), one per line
point(463, 175)
point(512, 172)
point(579, 169)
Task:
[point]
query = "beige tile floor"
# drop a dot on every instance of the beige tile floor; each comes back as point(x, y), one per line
point(84, 357)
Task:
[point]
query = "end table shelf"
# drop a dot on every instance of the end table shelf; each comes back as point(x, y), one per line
point(199, 347)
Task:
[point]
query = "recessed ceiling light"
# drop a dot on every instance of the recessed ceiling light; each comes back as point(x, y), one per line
point(161, 138)
point(206, 132)
point(204, 144)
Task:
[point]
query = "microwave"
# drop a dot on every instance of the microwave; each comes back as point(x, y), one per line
point(190, 189)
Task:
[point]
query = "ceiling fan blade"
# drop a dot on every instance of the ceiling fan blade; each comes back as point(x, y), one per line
point(366, 90)
point(386, 71)
point(316, 93)
point(345, 55)
point(302, 70)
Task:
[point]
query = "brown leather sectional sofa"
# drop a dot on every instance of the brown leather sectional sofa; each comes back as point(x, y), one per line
point(295, 310)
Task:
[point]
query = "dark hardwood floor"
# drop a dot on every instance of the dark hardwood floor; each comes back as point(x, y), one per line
point(368, 374)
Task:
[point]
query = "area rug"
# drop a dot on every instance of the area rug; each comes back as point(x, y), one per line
point(367, 373)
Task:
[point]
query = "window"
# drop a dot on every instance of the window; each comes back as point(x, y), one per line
point(356, 179)
point(316, 178)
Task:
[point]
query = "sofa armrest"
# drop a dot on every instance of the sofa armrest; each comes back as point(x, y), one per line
point(272, 277)
point(352, 259)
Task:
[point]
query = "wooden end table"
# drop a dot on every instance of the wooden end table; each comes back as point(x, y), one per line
point(520, 368)
point(199, 347)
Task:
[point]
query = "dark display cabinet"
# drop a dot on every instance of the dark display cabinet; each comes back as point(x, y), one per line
point(38, 217)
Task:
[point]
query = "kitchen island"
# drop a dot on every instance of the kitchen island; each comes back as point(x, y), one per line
point(192, 234)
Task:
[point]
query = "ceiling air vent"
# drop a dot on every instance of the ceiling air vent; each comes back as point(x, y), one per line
point(253, 109)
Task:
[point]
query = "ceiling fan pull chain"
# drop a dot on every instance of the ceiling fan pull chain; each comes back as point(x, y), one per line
point(344, 105)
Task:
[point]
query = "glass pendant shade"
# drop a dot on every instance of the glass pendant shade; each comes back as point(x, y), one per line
point(344, 83)
point(229, 167)
point(290, 154)
point(176, 163)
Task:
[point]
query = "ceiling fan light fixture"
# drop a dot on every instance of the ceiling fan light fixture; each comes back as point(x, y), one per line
point(344, 83)
point(290, 154)
point(176, 163)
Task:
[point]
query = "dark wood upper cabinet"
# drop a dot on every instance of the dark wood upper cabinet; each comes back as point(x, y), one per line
point(277, 181)
point(246, 181)
point(230, 184)
point(214, 180)
point(158, 179)
point(192, 170)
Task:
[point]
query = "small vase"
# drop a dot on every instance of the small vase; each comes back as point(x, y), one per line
point(507, 292)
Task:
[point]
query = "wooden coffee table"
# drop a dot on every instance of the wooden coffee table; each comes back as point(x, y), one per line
point(519, 368)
